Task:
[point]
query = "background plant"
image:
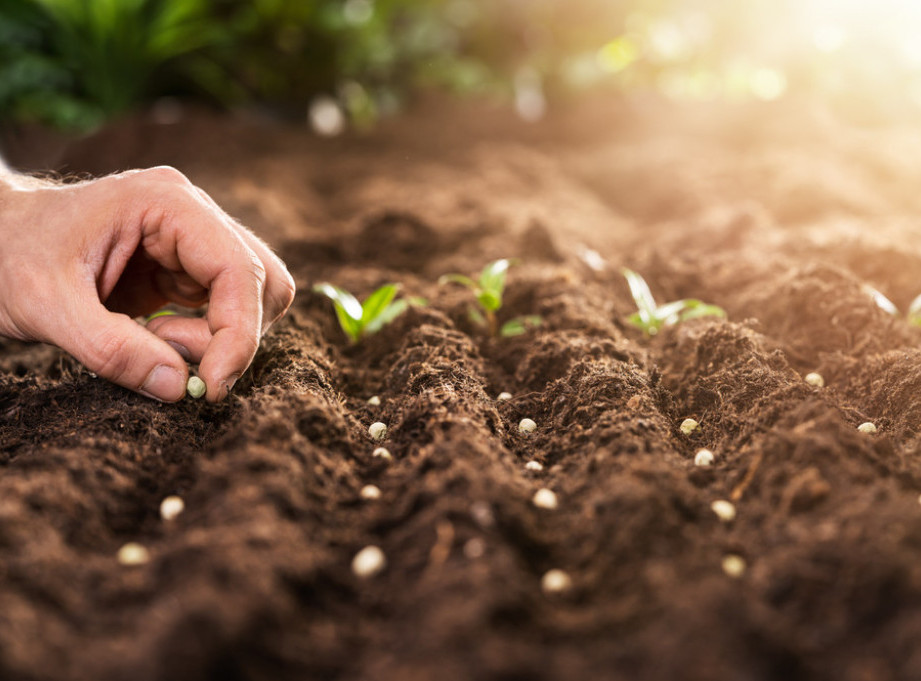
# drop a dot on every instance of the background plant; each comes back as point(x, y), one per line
point(488, 290)
point(359, 320)
point(75, 63)
point(652, 317)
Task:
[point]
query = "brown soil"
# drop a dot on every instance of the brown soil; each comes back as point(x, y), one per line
point(778, 215)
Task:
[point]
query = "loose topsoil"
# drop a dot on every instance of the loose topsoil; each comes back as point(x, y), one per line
point(781, 215)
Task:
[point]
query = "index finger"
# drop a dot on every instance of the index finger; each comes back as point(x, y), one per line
point(182, 232)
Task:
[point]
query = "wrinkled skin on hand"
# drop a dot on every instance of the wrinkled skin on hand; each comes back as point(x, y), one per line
point(79, 261)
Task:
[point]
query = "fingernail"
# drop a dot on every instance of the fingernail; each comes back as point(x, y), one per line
point(181, 349)
point(164, 383)
point(228, 384)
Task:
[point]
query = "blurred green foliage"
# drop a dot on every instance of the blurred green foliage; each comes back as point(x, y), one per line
point(76, 63)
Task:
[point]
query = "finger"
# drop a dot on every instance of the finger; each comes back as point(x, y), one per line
point(182, 232)
point(279, 284)
point(119, 349)
point(180, 288)
point(235, 321)
point(189, 336)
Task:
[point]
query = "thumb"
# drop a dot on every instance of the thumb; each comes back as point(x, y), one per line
point(119, 349)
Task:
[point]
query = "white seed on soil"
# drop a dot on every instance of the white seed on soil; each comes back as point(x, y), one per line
point(555, 582)
point(377, 430)
point(374, 401)
point(502, 397)
point(704, 458)
point(382, 453)
point(370, 492)
point(474, 548)
point(196, 387)
point(867, 427)
point(171, 507)
point(535, 466)
point(527, 426)
point(734, 565)
point(545, 498)
point(482, 513)
point(724, 510)
point(688, 426)
point(368, 562)
point(133, 553)
point(815, 379)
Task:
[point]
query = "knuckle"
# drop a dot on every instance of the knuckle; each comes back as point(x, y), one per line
point(109, 356)
point(166, 174)
point(283, 295)
point(258, 269)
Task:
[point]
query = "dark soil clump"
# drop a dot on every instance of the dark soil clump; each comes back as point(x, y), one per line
point(253, 580)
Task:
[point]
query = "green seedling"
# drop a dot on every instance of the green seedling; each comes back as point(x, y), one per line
point(363, 319)
point(882, 302)
point(488, 293)
point(196, 387)
point(914, 312)
point(651, 317)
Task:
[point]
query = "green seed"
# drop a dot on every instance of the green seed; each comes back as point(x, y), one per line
point(369, 562)
point(133, 553)
point(734, 566)
point(815, 379)
point(377, 430)
point(688, 426)
point(724, 510)
point(196, 387)
point(545, 498)
point(527, 426)
point(704, 458)
point(555, 582)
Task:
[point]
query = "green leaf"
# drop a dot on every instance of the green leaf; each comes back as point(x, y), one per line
point(882, 302)
point(642, 296)
point(348, 309)
point(698, 308)
point(914, 312)
point(637, 321)
point(387, 315)
point(377, 302)
point(519, 325)
point(668, 314)
point(476, 316)
point(160, 313)
point(489, 300)
point(492, 278)
point(458, 279)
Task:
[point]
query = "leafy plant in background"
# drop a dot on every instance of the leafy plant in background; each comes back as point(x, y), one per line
point(77, 63)
point(488, 290)
point(362, 319)
point(652, 317)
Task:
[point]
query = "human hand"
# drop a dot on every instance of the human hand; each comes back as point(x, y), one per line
point(78, 261)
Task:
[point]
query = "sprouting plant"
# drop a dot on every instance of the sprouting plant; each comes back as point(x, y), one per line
point(882, 302)
point(914, 312)
point(488, 292)
point(651, 317)
point(362, 319)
